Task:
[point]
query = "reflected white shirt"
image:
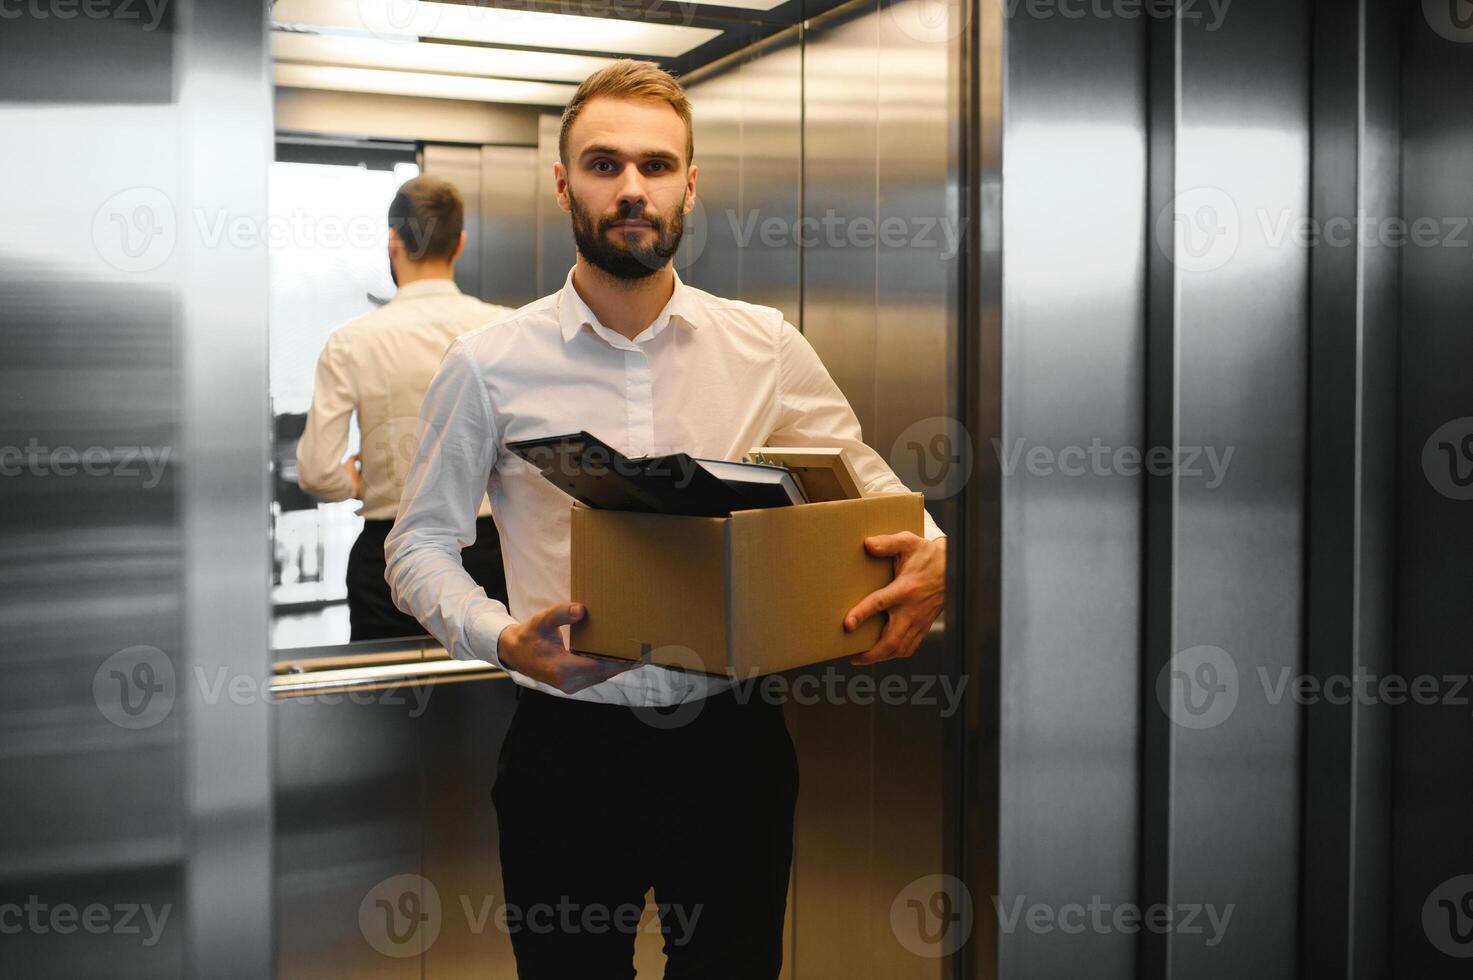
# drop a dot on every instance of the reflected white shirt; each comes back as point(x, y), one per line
point(379, 366)
point(711, 377)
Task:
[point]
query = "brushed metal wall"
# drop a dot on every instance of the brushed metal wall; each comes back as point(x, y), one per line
point(135, 765)
point(499, 186)
point(1200, 251)
point(807, 146)
point(1073, 341)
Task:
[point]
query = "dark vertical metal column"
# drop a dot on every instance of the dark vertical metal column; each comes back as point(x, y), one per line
point(977, 585)
point(1432, 851)
point(1158, 570)
point(1351, 489)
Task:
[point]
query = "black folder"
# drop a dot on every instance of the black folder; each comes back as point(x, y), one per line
point(599, 476)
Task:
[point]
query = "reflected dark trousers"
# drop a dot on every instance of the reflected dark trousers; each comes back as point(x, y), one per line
point(372, 614)
point(598, 803)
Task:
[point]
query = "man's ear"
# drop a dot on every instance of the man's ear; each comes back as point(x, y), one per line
point(459, 247)
point(396, 244)
point(690, 189)
point(560, 186)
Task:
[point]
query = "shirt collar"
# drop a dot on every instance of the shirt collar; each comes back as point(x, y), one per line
point(428, 287)
point(574, 314)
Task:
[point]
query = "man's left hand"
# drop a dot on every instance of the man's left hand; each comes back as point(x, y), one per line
point(914, 599)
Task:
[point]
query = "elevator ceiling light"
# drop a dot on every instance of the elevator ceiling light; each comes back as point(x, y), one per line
point(408, 20)
point(450, 59)
point(380, 82)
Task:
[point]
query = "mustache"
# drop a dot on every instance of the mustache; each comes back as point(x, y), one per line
point(636, 211)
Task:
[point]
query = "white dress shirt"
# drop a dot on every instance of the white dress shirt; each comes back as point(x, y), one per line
point(711, 377)
point(379, 365)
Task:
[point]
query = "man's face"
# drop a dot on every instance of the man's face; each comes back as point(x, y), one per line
point(627, 185)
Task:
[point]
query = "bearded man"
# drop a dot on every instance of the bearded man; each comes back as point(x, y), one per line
point(596, 805)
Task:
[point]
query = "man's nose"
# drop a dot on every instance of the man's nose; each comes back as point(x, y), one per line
point(631, 186)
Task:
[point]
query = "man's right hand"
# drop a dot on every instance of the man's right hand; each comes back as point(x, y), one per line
point(535, 648)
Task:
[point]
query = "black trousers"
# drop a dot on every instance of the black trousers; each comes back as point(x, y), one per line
point(372, 614)
point(598, 803)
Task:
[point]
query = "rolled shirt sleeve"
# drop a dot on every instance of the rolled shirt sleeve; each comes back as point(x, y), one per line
point(812, 411)
point(448, 476)
point(324, 441)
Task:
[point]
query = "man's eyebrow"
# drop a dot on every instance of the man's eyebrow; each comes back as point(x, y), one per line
point(600, 149)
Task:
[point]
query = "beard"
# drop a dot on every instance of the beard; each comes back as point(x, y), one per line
point(627, 254)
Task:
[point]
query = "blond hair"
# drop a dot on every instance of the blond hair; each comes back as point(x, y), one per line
point(628, 79)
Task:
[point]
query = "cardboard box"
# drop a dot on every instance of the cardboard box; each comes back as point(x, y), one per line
point(754, 593)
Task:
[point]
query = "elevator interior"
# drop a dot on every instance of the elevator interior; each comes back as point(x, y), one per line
point(775, 139)
point(1105, 244)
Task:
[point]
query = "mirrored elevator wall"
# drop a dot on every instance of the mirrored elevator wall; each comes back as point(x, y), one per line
point(1205, 247)
point(133, 548)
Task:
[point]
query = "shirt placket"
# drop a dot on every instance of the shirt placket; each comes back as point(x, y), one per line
point(639, 403)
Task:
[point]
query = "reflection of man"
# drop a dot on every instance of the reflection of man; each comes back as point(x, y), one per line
point(596, 803)
point(379, 366)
